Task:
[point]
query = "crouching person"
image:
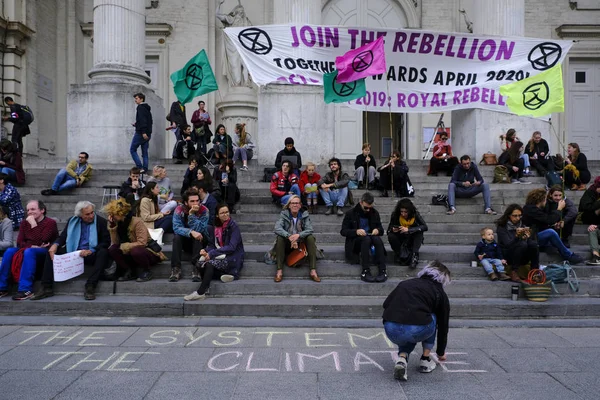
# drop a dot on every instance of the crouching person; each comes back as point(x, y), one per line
point(85, 232)
point(129, 239)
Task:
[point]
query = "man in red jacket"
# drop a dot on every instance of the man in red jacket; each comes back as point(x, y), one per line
point(284, 183)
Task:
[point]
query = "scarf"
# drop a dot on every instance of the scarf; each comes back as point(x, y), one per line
point(219, 233)
point(513, 227)
point(573, 169)
point(407, 223)
point(74, 234)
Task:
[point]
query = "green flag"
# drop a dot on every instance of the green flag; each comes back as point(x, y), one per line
point(336, 92)
point(195, 79)
point(538, 95)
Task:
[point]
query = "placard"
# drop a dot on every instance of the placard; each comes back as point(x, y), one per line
point(67, 266)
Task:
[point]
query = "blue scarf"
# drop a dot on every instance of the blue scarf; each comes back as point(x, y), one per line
point(74, 234)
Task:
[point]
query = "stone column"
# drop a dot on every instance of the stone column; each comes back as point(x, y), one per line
point(477, 131)
point(100, 112)
point(295, 110)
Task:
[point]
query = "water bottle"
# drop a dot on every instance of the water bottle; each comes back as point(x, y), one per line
point(224, 176)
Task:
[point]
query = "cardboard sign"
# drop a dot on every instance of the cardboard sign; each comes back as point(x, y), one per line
point(67, 266)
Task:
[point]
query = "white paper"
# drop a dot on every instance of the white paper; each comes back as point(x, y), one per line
point(67, 266)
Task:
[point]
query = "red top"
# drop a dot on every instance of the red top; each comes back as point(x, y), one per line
point(440, 148)
point(46, 231)
point(304, 179)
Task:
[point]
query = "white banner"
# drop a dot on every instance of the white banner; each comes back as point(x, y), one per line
point(67, 266)
point(427, 71)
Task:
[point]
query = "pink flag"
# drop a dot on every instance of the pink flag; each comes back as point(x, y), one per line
point(356, 64)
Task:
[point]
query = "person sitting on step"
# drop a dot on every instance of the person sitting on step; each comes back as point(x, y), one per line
point(226, 175)
point(129, 240)
point(489, 254)
point(87, 233)
point(6, 230)
point(363, 230)
point(190, 175)
point(406, 230)
point(393, 175)
point(208, 200)
point(75, 174)
point(204, 175)
point(11, 162)
point(513, 162)
point(507, 141)
point(542, 223)
point(294, 230)
point(333, 187)
point(309, 187)
point(184, 148)
point(190, 224)
point(589, 207)
point(11, 199)
point(291, 154)
point(364, 164)
point(539, 154)
point(576, 171)
point(222, 144)
point(131, 189)
point(165, 195)
point(223, 257)
point(243, 148)
point(36, 233)
point(148, 211)
point(442, 158)
point(284, 184)
point(467, 182)
point(565, 226)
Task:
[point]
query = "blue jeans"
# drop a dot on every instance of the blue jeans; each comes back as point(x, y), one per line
point(31, 259)
point(10, 172)
point(137, 141)
point(294, 189)
point(488, 265)
point(468, 192)
point(407, 336)
point(337, 196)
point(311, 195)
point(525, 158)
point(550, 237)
point(63, 181)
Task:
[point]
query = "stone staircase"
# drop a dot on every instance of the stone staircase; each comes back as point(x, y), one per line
point(341, 295)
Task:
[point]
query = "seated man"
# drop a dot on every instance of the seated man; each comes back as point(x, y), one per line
point(467, 182)
point(564, 227)
point(131, 189)
point(88, 233)
point(363, 230)
point(291, 154)
point(190, 225)
point(364, 164)
point(333, 187)
point(74, 175)
point(185, 148)
point(207, 200)
point(284, 183)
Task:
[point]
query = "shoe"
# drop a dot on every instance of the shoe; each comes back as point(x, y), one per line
point(227, 278)
point(279, 276)
point(175, 274)
point(400, 369)
point(524, 181)
point(503, 277)
point(382, 276)
point(49, 192)
point(340, 211)
point(128, 276)
point(451, 211)
point(490, 211)
point(196, 277)
point(366, 276)
point(142, 171)
point(314, 276)
point(514, 276)
point(90, 293)
point(144, 277)
point(194, 296)
point(528, 173)
point(244, 168)
point(178, 161)
point(426, 365)
point(23, 295)
point(42, 294)
point(581, 187)
point(3, 293)
point(594, 261)
point(329, 210)
point(575, 259)
point(414, 261)
point(493, 276)
point(515, 181)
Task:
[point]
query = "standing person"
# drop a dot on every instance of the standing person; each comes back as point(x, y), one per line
point(589, 207)
point(243, 148)
point(291, 154)
point(36, 233)
point(21, 118)
point(364, 164)
point(309, 186)
point(363, 230)
point(284, 183)
point(165, 196)
point(513, 162)
point(292, 229)
point(76, 173)
point(565, 226)
point(333, 187)
point(394, 175)
point(143, 132)
point(539, 154)
point(11, 199)
point(11, 162)
point(467, 182)
point(149, 212)
point(442, 158)
point(223, 258)
point(412, 314)
point(178, 118)
point(201, 121)
point(577, 174)
point(489, 254)
point(222, 144)
point(507, 142)
point(406, 228)
point(226, 175)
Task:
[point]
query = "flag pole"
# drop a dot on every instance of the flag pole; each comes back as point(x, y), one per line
point(391, 131)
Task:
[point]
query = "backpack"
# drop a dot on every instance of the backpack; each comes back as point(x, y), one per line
point(27, 114)
point(553, 178)
point(562, 273)
point(501, 174)
point(439, 200)
point(268, 174)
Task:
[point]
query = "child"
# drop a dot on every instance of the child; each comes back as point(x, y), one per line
point(308, 187)
point(489, 254)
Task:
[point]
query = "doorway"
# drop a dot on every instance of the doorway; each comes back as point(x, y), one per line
point(384, 132)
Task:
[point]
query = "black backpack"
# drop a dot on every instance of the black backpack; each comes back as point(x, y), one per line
point(27, 114)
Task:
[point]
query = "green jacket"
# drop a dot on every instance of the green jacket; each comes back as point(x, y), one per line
point(84, 176)
point(284, 224)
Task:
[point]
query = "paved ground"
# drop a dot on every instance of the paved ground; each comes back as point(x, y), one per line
point(114, 361)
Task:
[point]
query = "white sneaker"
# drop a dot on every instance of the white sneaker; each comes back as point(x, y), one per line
point(400, 369)
point(227, 278)
point(194, 296)
point(427, 366)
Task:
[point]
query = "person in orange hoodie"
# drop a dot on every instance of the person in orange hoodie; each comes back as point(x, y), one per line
point(308, 187)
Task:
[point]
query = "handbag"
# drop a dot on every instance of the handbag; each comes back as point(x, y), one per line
point(199, 131)
point(296, 255)
point(154, 246)
point(488, 159)
point(157, 234)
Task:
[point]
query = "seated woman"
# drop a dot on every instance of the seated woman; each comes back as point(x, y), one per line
point(222, 144)
point(576, 171)
point(406, 225)
point(129, 239)
point(11, 162)
point(10, 198)
point(243, 148)
point(309, 187)
point(394, 176)
point(442, 158)
point(542, 223)
point(512, 160)
point(538, 151)
point(507, 142)
point(165, 196)
point(223, 258)
point(190, 175)
point(36, 233)
point(515, 241)
point(204, 175)
point(147, 210)
point(293, 229)
point(365, 166)
point(226, 175)
point(565, 226)
point(6, 231)
point(589, 207)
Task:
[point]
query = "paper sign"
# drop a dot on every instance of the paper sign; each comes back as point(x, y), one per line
point(67, 266)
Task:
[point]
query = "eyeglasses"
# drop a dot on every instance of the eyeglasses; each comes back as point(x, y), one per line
point(443, 138)
point(516, 215)
point(295, 203)
point(367, 207)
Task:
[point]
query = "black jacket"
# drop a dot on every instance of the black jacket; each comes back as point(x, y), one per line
point(177, 114)
point(101, 229)
point(414, 300)
point(539, 220)
point(126, 188)
point(361, 161)
point(351, 224)
point(143, 119)
point(418, 226)
point(285, 152)
point(490, 250)
point(589, 203)
point(581, 164)
point(568, 214)
point(541, 147)
point(460, 175)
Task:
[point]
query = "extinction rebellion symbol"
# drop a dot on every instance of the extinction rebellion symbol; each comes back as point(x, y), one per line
point(536, 95)
point(193, 77)
point(362, 61)
point(544, 56)
point(256, 41)
point(343, 89)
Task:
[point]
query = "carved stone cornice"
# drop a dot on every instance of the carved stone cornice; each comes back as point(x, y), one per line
point(16, 28)
point(158, 29)
point(578, 31)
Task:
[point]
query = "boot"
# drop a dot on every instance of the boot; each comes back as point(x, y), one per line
point(329, 210)
point(414, 261)
point(175, 274)
point(382, 276)
point(90, 293)
point(366, 276)
point(514, 276)
point(493, 276)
